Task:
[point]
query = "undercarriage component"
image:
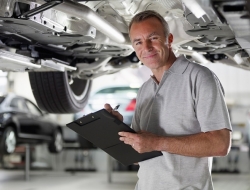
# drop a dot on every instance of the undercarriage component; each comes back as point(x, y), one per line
point(39, 9)
point(16, 62)
point(84, 12)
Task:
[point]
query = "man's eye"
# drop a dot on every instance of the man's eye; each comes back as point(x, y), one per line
point(138, 43)
point(154, 38)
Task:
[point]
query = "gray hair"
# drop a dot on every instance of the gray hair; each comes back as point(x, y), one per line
point(149, 14)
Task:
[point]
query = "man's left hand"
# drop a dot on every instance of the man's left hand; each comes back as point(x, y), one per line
point(142, 141)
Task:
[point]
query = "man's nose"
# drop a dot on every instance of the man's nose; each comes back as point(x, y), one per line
point(148, 45)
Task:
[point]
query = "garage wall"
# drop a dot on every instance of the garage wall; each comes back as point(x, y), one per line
point(3, 83)
point(237, 90)
point(235, 82)
point(21, 85)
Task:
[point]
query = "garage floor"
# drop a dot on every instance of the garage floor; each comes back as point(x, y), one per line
point(40, 180)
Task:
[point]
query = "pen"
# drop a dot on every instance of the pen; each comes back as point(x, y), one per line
point(116, 107)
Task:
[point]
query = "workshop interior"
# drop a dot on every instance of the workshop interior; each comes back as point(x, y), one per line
point(61, 60)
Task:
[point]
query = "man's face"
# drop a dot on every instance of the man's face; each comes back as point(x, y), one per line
point(150, 43)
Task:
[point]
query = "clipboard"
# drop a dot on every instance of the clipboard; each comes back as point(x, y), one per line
point(101, 128)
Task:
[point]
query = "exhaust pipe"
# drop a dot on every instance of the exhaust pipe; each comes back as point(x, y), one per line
point(92, 18)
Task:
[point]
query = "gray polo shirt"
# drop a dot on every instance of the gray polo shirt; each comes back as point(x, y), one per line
point(188, 100)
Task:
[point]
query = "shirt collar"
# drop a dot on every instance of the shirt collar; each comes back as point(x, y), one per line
point(179, 66)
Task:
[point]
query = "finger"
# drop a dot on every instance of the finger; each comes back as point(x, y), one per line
point(126, 141)
point(133, 145)
point(118, 115)
point(108, 107)
point(115, 113)
point(127, 135)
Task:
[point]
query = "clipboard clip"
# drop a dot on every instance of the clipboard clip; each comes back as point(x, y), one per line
point(87, 119)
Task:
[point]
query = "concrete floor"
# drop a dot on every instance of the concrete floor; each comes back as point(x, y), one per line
point(50, 180)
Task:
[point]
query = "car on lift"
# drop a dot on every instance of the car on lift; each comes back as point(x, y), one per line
point(65, 44)
point(22, 122)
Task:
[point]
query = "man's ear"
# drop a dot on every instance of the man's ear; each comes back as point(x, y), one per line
point(170, 39)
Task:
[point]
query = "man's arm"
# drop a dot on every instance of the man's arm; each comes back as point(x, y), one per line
point(213, 143)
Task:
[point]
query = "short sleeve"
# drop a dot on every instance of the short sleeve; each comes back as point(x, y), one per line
point(210, 106)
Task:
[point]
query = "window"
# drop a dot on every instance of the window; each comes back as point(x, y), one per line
point(33, 109)
point(18, 104)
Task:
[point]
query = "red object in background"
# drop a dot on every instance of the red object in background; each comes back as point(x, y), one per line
point(131, 106)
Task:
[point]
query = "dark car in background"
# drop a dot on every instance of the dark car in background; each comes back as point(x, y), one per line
point(22, 122)
point(125, 96)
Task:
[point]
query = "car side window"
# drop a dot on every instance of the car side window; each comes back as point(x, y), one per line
point(18, 104)
point(33, 109)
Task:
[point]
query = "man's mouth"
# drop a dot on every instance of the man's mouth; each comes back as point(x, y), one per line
point(149, 56)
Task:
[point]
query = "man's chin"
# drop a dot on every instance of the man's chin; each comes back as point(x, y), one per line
point(151, 63)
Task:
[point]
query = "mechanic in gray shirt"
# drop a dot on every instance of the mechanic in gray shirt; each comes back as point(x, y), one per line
point(180, 111)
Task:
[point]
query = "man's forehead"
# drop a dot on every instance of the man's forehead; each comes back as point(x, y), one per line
point(145, 35)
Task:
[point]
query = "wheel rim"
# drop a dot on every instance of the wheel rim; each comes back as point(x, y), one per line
point(58, 142)
point(10, 141)
point(79, 89)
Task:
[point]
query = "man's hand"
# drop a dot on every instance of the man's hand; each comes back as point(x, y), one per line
point(115, 113)
point(142, 141)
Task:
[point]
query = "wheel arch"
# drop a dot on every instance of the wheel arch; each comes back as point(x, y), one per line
point(14, 126)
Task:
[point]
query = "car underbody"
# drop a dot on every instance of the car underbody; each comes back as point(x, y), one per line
point(64, 44)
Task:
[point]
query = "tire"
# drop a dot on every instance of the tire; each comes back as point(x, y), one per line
point(8, 141)
point(56, 146)
point(54, 94)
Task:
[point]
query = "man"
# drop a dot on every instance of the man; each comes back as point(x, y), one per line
point(180, 111)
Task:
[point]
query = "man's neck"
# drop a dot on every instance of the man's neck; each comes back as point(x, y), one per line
point(158, 73)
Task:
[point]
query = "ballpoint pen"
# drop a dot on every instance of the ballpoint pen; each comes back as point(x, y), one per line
point(116, 107)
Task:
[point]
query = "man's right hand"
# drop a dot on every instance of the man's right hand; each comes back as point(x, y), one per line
point(115, 113)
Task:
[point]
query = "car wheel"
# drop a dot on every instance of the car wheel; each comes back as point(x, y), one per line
point(56, 145)
point(54, 94)
point(8, 141)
